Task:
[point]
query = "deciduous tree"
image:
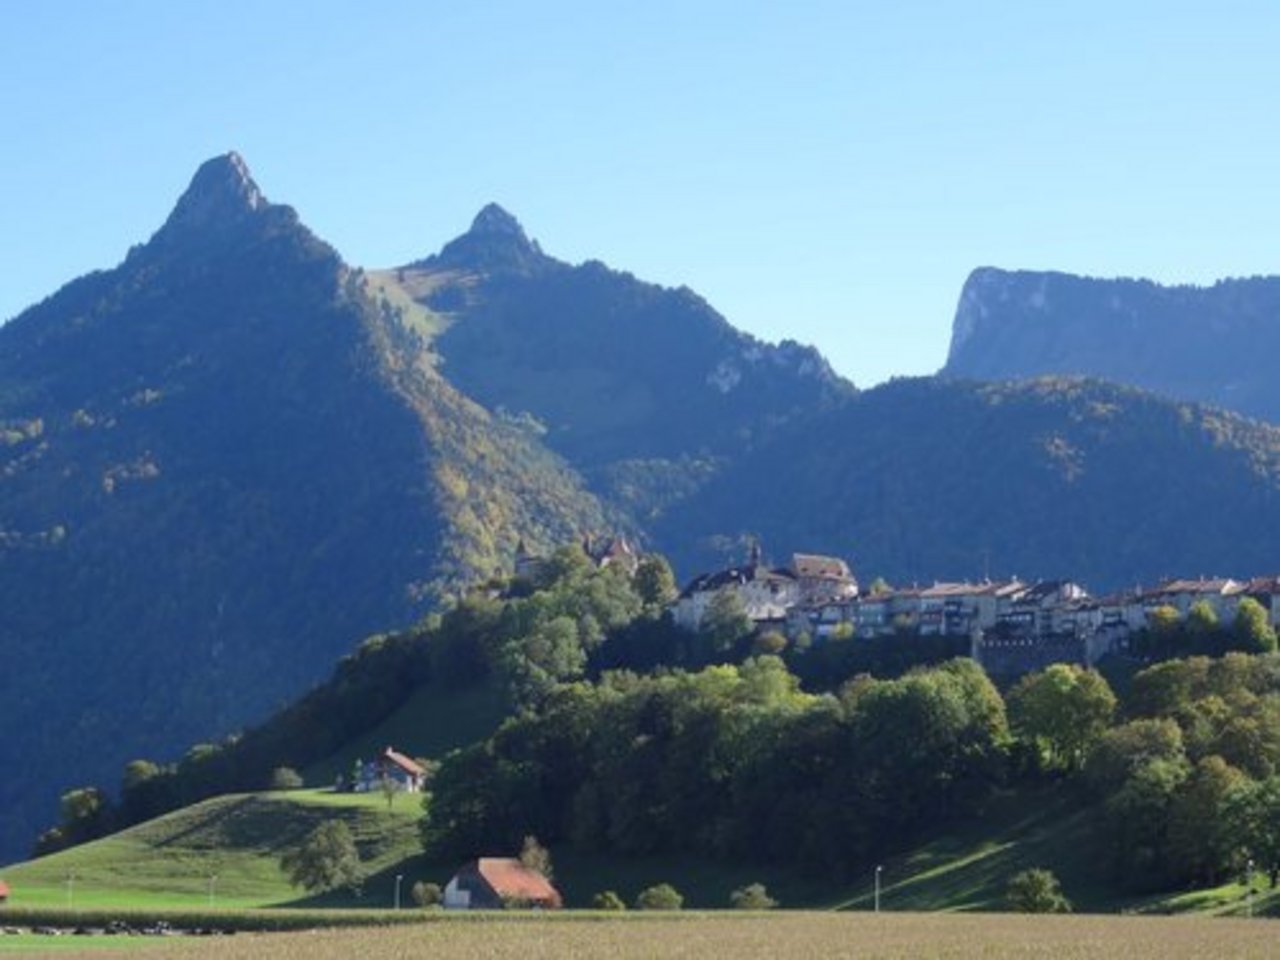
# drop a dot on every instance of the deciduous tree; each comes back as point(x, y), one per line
point(1063, 708)
point(326, 860)
point(661, 896)
point(1036, 891)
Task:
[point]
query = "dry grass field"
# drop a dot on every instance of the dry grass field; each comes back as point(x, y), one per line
point(743, 937)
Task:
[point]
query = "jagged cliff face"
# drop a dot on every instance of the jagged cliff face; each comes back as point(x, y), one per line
point(1211, 344)
point(222, 463)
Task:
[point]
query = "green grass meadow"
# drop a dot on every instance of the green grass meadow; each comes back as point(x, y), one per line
point(223, 856)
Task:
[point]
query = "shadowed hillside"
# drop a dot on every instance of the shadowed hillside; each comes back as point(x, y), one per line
point(221, 463)
point(920, 480)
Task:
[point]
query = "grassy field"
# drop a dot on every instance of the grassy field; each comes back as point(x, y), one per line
point(168, 863)
point(429, 724)
point(969, 868)
point(744, 937)
point(171, 862)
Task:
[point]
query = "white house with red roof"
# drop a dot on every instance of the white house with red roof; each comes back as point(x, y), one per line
point(391, 767)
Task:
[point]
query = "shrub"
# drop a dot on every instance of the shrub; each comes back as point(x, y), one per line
point(426, 894)
point(1036, 891)
point(661, 896)
point(754, 896)
point(285, 778)
point(608, 900)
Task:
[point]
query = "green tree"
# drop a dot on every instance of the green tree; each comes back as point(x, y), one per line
point(327, 859)
point(661, 896)
point(770, 643)
point(536, 857)
point(285, 778)
point(1123, 751)
point(388, 788)
point(1136, 819)
point(1254, 812)
point(138, 772)
point(1036, 891)
point(1202, 619)
point(551, 653)
point(1203, 844)
point(426, 894)
point(1252, 628)
point(1163, 689)
point(1164, 621)
point(608, 900)
point(1063, 709)
point(753, 896)
point(726, 621)
point(655, 582)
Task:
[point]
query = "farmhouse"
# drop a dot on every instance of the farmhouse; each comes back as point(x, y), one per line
point(492, 883)
point(392, 767)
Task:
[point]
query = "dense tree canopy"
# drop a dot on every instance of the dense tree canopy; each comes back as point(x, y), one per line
point(731, 761)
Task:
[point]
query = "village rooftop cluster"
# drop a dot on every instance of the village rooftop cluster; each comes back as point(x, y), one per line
point(1012, 626)
point(1040, 622)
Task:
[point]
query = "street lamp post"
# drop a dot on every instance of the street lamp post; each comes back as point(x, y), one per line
point(399, 877)
point(878, 869)
point(1248, 885)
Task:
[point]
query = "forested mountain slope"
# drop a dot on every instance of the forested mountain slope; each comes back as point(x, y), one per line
point(924, 479)
point(221, 463)
point(646, 390)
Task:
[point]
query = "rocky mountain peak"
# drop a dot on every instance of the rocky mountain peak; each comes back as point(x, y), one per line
point(221, 192)
point(494, 221)
point(222, 196)
point(496, 243)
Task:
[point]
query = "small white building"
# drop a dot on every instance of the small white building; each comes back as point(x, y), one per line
point(392, 768)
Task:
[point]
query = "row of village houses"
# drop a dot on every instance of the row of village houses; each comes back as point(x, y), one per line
point(1012, 625)
point(1023, 624)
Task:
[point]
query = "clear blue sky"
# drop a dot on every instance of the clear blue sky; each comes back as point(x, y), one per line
point(828, 172)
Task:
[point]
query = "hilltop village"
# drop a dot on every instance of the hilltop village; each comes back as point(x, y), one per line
point(1012, 626)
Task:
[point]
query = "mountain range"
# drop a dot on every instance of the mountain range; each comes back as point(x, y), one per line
point(1208, 344)
point(228, 458)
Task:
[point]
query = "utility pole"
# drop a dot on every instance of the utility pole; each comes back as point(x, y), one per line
point(878, 869)
point(213, 888)
point(1248, 893)
point(399, 877)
